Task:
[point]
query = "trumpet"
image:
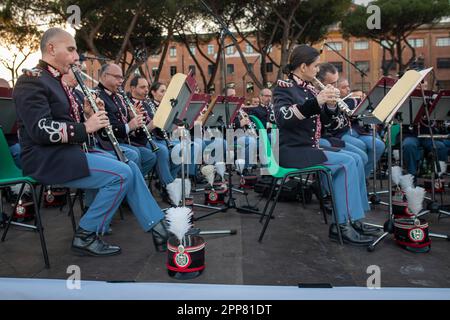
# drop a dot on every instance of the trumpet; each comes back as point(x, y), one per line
point(109, 132)
point(340, 102)
point(164, 132)
point(144, 126)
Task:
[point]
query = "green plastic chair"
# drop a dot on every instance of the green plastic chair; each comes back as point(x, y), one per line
point(11, 175)
point(277, 172)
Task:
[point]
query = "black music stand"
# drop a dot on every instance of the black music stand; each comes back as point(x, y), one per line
point(172, 112)
point(368, 105)
point(224, 32)
point(385, 113)
point(439, 109)
point(196, 105)
point(215, 116)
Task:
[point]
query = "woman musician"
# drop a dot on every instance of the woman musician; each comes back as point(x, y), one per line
point(300, 113)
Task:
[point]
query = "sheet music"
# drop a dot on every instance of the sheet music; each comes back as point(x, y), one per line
point(398, 95)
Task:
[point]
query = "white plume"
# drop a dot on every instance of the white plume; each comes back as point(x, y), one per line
point(240, 165)
point(396, 174)
point(179, 221)
point(415, 198)
point(406, 181)
point(443, 168)
point(209, 173)
point(174, 191)
point(220, 167)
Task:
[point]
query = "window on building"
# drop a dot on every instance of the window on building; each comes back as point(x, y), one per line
point(363, 65)
point(210, 69)
point(230, 68)
point(442, 42)
point(250, 88)
point(173, 70)
point(230, 50)
point(338, 65)
point(335, 45)
point(269, 67)
point(154, 71)
point(361, 45)
point(172, 52)
point(192, 49)
point(192, 69)
point(250, 66)
point(248, 48)
point(416, 43)
point(210, 49)
point(443, 63)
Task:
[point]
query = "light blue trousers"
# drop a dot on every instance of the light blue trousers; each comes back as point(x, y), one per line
point(114, 181)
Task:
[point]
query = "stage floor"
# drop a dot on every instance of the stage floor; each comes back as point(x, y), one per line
point(295, 250)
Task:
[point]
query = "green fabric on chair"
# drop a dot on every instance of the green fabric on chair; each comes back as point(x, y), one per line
point(278, 172)
point(11, 175)
point(274, 169)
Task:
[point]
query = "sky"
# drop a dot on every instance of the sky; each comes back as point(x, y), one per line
point(34, 58)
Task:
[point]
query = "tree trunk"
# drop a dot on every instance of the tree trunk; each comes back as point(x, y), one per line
point(199, 67)
point(128, 34)
point(215, 67)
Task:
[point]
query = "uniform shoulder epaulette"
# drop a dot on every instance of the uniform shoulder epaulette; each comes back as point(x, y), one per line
point(285, 83)
point(35, 72)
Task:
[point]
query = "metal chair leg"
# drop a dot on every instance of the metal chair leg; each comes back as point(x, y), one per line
point(322, 206)
point(330, 187)
point(71, 212)
point(266, 223)
point(39, 226)
point(269, 198)
point(12, 214)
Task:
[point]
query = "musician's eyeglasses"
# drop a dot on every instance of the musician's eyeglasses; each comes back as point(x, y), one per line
point(267, 95)
point(118, 77)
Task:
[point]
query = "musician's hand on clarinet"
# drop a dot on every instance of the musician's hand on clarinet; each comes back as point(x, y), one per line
point(136, 122)
point(96, 122)
point(87, 108)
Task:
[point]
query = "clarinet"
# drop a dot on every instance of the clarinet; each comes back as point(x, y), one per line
point(109, 132)
point(340, 103)
point(144, 126)
point(251, 127)
point(164, 132)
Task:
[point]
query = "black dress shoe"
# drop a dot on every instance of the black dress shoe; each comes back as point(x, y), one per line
point(88, 243)
point(349, 235)
point(160, 236)
point(365, 229)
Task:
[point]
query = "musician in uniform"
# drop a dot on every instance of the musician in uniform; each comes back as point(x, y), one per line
point(246, 144)
point(300, 112)
point(357, 139)
point(167, 170)
point(264, 109)
point(51, 133)
point(120, 116)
